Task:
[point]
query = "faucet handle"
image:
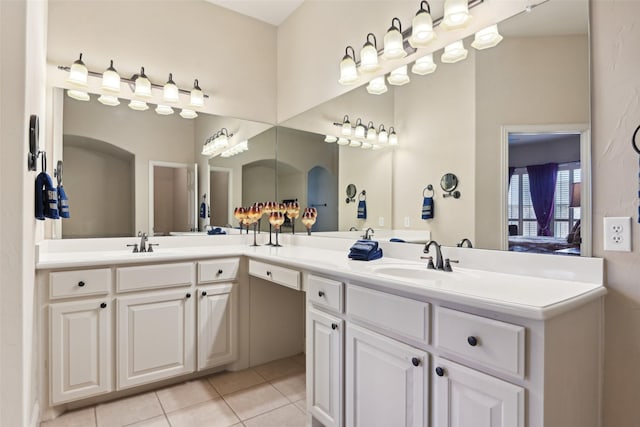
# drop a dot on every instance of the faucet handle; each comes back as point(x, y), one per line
point(151, 245)
point(447, 264)
point(430, 265)
point(135, 247)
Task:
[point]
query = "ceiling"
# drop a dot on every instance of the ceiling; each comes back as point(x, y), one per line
point(273, 12)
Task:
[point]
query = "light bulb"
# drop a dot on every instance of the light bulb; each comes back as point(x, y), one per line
point(78, 73)
point(111, 79)
point(424, 65)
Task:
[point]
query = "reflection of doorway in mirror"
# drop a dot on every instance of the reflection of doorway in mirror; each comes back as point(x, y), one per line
point(219, 189)
point(322, 194)
point(544, 209)
point(172, 198)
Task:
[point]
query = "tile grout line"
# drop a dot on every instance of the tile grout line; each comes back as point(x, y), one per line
point(164, 412)
point(265, 413)
point(95, 414)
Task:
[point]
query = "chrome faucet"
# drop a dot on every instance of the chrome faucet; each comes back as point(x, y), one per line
point(368, 234)
point(463, 241)
point(439, 265)
point(143, 240)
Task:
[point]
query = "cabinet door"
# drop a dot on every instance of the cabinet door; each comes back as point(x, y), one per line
point(324, 367)
point(217, 326)
point(80, 358)
point(386, 381)
point(155, 336)
point(464, 397)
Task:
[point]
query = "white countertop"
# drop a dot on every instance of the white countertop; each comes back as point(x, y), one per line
point(515, 294)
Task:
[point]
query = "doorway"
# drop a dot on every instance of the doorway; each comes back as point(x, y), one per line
point(219, 190)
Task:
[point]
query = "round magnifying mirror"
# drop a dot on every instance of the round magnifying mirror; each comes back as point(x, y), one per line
point(351, 191)
point(449, 182)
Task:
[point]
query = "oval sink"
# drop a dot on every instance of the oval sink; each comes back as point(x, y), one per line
point(417, 272)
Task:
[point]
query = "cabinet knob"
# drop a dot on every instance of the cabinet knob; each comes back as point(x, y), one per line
point(269, 273)
point(320, 294)
point(334, 326)
point(415, 361)
point(473, 341)
point(204, 293)
point(439, 371)
point(188, 295)
point(103, 305)
point(219, 272)
point(81, 283)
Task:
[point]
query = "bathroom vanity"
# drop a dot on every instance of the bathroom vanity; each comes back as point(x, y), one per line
point(387, 342)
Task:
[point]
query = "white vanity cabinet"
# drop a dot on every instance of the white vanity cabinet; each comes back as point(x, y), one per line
point(217, 325)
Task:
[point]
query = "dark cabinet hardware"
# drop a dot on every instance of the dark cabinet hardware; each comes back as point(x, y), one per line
point(473, 341)
point(219, 272)
point(188, 295)
point(334, 326)
point(439, 371)
point(204, 293)
point(320, 294)
point(415, 361)
point(103, 305)
point(81, 284)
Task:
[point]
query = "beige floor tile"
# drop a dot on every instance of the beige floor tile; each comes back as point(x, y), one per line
point(302, 405)
point(214, 413)
point(153, 422)
point(286, 416)
point(229, 382)
point(300, 359)
point(293, 386)
point(279, 368)
point(81, 418)
point(255, 401)
point(128, 411)
point(186, 394)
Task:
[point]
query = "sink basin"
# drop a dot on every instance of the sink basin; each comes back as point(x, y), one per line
point(417, 272)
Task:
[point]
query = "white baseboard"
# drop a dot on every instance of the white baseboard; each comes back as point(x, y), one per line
point(35, 415)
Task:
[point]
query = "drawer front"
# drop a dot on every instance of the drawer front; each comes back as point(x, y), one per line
point(276, 274)
point(492, 343)
point(219, 270)
point(404, 316)
point(65, 284)
point(325, 293)
point(154, 276)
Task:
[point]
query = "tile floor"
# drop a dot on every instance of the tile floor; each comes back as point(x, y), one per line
point(268, 395)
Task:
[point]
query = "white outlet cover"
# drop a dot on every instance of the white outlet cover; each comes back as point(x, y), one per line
point(407, 221)
point(381, 221)
point(617, 234)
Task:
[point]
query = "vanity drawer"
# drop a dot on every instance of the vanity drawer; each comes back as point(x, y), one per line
point(403, 316)
point(154, 276)
point(276, 274)
point(66, 284)
point(325, 293)
point(218, 270)
point(492, 343)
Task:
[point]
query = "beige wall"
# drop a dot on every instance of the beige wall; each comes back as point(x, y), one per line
point(615, 115)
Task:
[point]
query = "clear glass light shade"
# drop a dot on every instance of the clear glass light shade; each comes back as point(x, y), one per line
point(109, 100)
point(454, 52)
point(196, 97)
point(138, 105)
point(170, 91)
point(330, 139)
point(486, 38)
point(188, 114)
point(354, 143)
point(393, 45)
point(422, 30)
point(399, 76)
point(78, 74)
point(369, 59)
point(377, 147)
point(164, 110)
point(111, 80)
point(424, 65)
point(78, 95)
point(343, 141)
point(348, 71)
point(456, 14)
point(377, 86)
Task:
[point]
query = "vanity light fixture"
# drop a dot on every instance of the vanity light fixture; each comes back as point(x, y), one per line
point(343, 141)
point(393, 41)
point(422, 27)
point(188, 114)
point(240, 147)
point(223, 139)
point(369, 55)
point(456, 14)
point(372, 135)
point(382, 135)
point(399, 76)
point(366, 146)
point(424, 65)
point(138, 105)
point(164, 110)
point(78, 73)
point(217, 143)
point(79, 95)
point(330, 139)
point(377, 86)
point(196, 97)
point(454, 52)
point(111, 80)
point(170, 91)
point(346, 126)
point(142, 85)
point(360, 130)
point(354, 143)
point(109, 100)
point(393, 138)
point(487, 37)
point(348, 70)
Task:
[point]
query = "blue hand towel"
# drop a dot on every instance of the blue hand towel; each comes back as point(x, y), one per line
point(365, 250)
point(46, 198)
point(397, 240)
point(427, 208)
point(63, 203)
point(375, 254)
point(216, 231)
point(362, 209)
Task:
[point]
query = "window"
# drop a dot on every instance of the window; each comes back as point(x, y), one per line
point(520, 208)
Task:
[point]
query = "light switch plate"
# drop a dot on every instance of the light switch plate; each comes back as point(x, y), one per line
point(407, 222)
point(617, 234)
point(381, 221)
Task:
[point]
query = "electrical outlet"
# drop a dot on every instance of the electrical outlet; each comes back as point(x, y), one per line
point(617, 234)
point(407, 222)
point(381, 221)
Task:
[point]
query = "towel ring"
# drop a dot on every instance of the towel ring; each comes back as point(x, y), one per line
point(633, 140)
point(428, 188)
point(362, 196)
